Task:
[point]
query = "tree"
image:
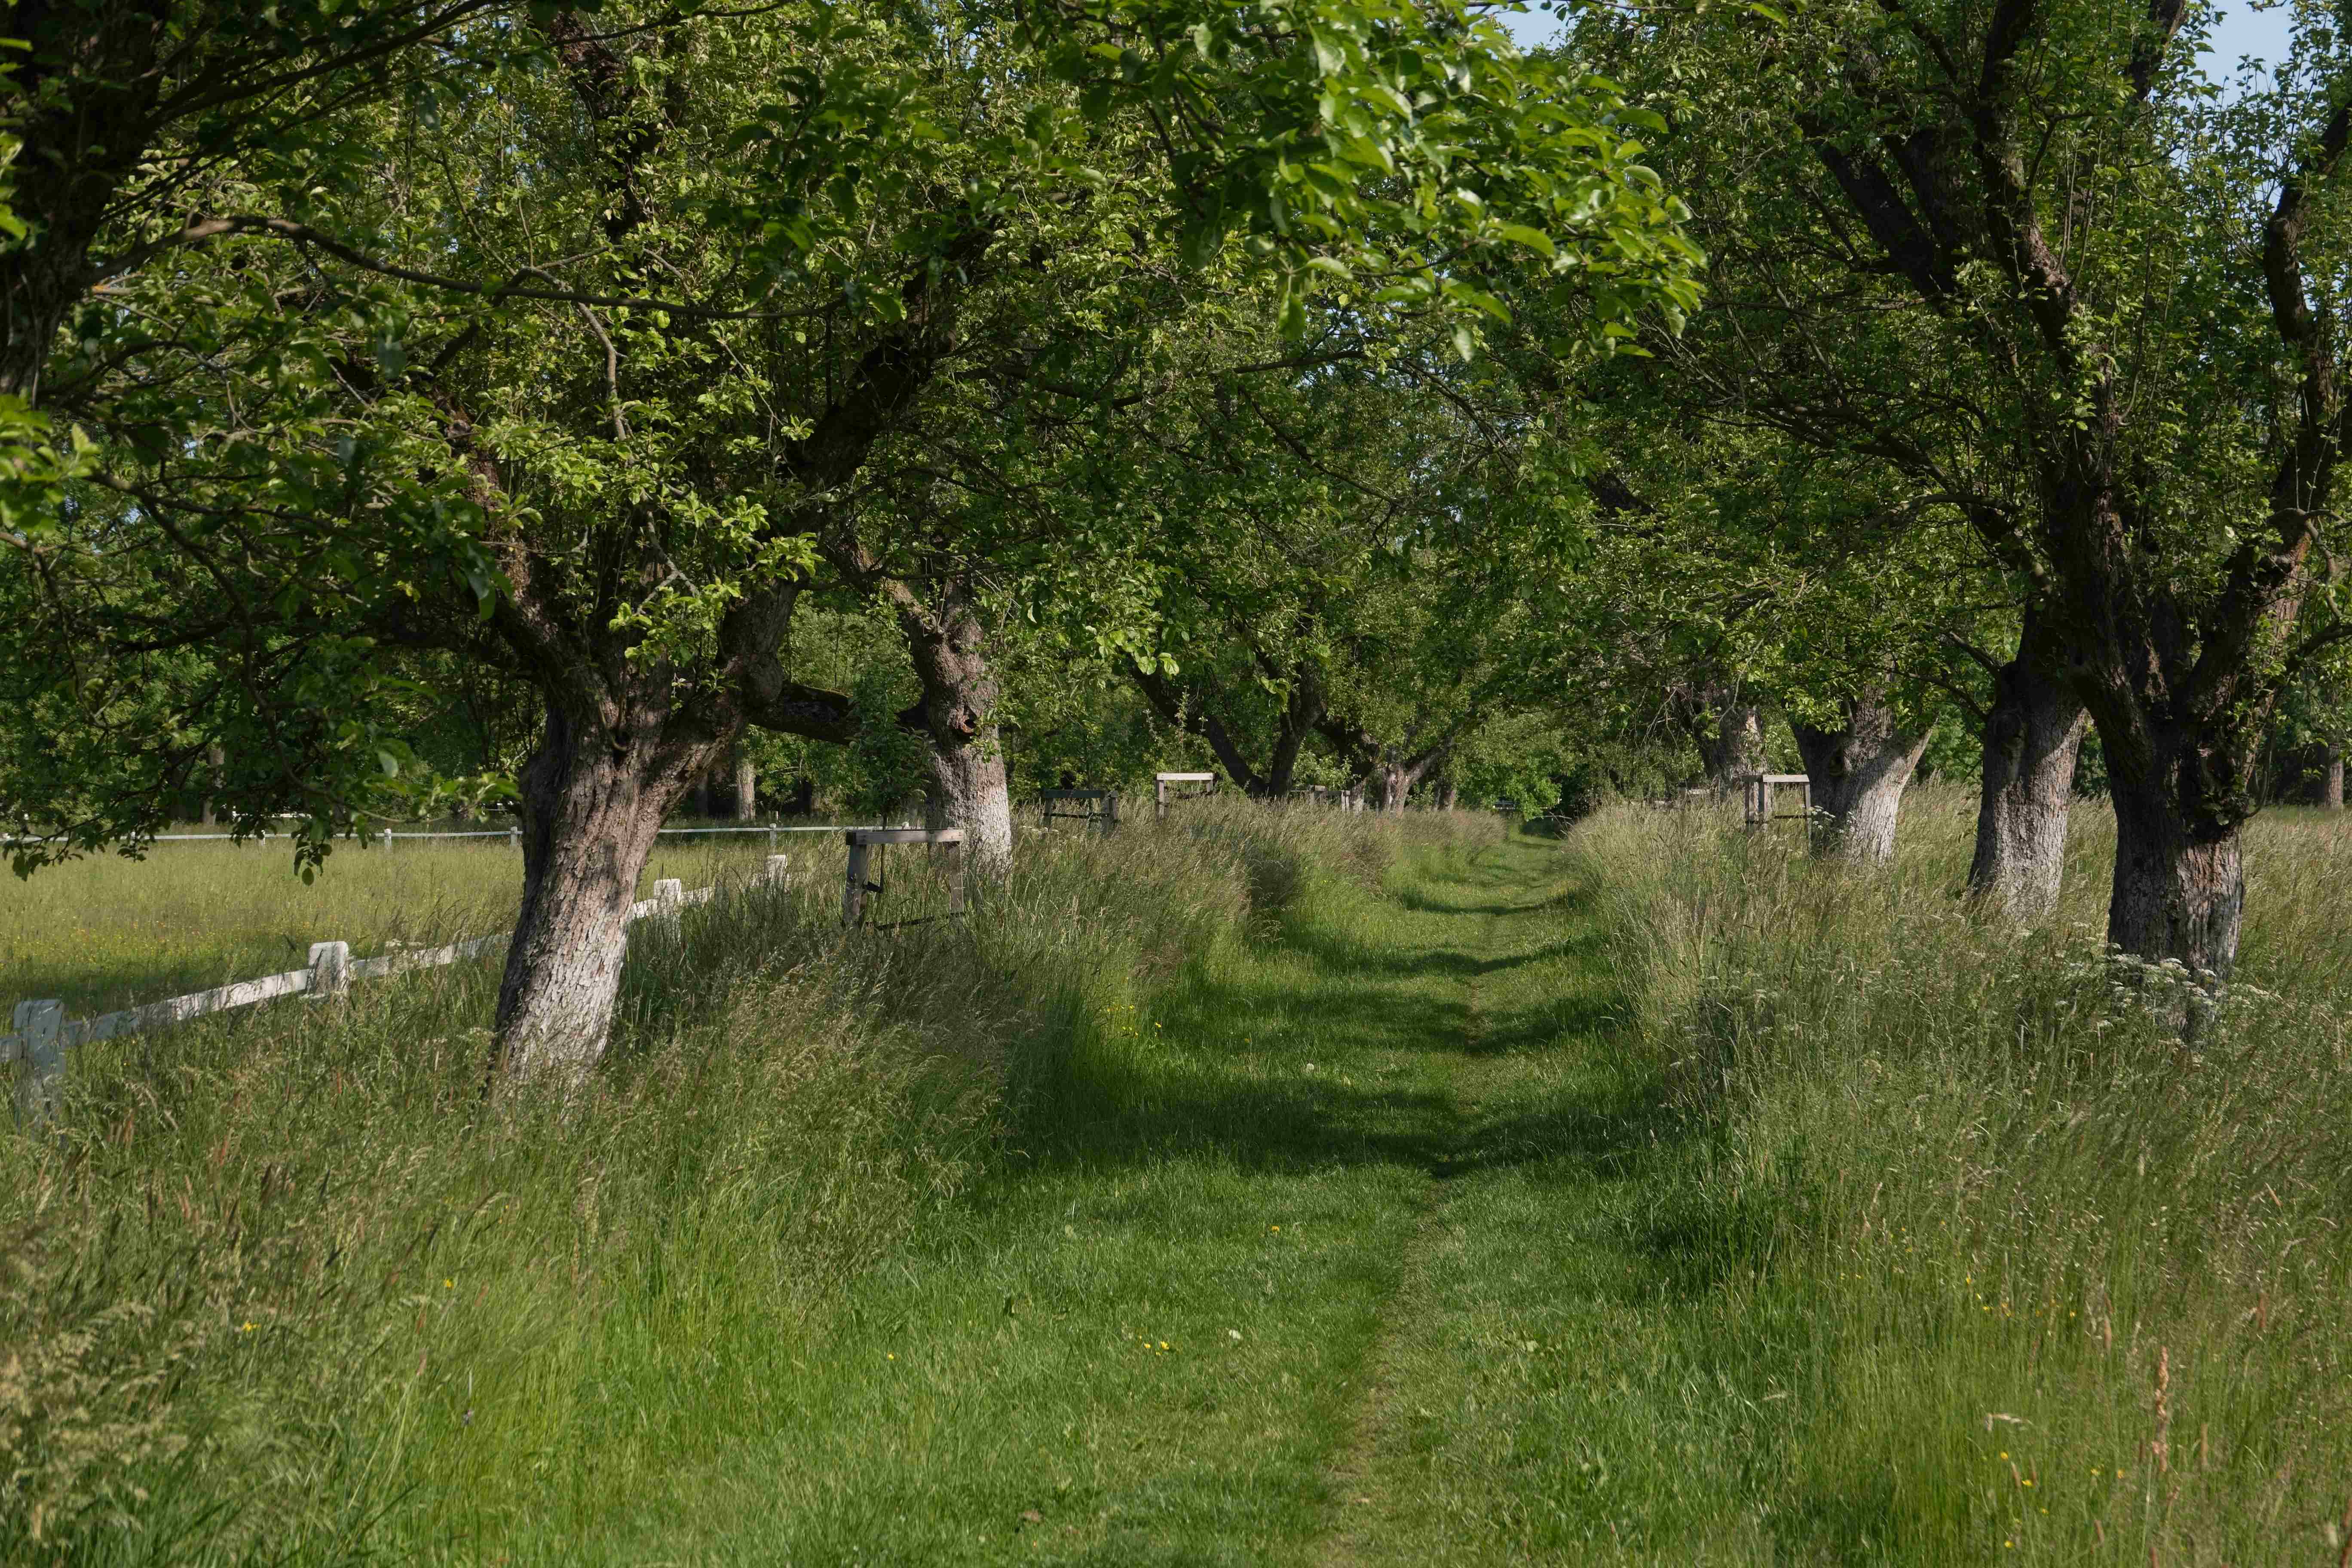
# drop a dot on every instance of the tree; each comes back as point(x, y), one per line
point(595, 403)
point(2014, 251)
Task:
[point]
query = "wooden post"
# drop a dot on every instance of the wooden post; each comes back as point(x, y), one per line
point(853, 894)
point(955, 879)
point(772, 838)
point(330, 971)
point(387, 840)
point(1110, 813)
point(514, 838)
point(39, 1025)
point(1160, 800)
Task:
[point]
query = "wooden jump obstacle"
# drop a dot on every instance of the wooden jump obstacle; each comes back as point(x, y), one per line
point(1161, 794)
point(1759, 797)
point(1098, 808)
point(866, 847)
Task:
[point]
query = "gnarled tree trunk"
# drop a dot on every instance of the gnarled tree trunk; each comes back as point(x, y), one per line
point(1735, 747)
point(1859, 772)
point(2032, 733)
point(593, 799)
point(957, 713)
point(2179, 888)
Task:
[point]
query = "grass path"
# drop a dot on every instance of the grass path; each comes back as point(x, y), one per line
point(1331, 1258)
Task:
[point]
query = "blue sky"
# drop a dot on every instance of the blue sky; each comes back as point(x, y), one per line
point(2242, 30)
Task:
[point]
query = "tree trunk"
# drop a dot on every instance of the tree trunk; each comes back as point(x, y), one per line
point(2179, 888)
point(217, 767)
point(89, 82)
point(2178, 893)
point(1735, 747)
point(592, 802)
point(2331, 778)
point(2032, 732)
point(1449, 795)
point(1392, 778)
point(1859, 772)
point(958, 714)
point(747, 788)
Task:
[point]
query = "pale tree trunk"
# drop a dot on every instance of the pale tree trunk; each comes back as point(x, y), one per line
point(2032, 733)
point(2331, 778)
point(1859, 772)
point(1392, 778)
point(747, 788)
point(1735, 747)
point(592, 801)
point(957, 713)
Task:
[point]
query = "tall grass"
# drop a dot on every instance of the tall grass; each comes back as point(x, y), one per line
point(2047, 1281)
point(284, 1285)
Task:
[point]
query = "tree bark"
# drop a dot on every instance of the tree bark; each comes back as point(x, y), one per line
point(957, 714)
point(1735, 747)
point(1859, 772)
point(2032, 732)
point(593, 800)
point(2179, 887)
point(91, 71)
point(2331, 778)
point(747, 788)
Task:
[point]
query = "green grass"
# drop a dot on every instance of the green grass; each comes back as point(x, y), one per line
point(1652, 1196)
point(108, 932)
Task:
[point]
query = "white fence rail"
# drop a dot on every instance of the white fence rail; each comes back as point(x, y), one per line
point(44, 1034)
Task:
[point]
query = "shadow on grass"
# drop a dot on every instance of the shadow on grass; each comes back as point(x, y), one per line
point(1227, 1072)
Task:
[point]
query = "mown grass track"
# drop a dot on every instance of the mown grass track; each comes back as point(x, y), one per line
point(1338, 1182)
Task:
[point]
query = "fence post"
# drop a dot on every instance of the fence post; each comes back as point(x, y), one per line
point(39, 1024)
point(387, 840)
point(1110, 814)
point(853, 894)
point(772, 838)
point(955, 881)
point(779, 870)
point(330, 969)
point(1160, 800)
point(514, 838)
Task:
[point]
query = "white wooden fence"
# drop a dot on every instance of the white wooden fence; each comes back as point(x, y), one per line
point(44, 1034)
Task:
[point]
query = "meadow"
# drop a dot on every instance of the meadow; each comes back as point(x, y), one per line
point(1269, 1187)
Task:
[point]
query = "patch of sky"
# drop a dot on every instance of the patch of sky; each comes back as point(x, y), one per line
point(2239, 32)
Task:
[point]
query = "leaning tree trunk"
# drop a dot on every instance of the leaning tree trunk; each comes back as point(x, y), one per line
point(1859, 772)
point(957, 713)
point(2032, 733)
point(593, 800)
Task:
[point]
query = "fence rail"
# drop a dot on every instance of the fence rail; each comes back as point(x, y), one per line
point(44, 1034)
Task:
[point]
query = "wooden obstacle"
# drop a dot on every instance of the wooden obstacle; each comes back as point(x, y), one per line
point(864, 880)
point(1098, 808)
point(1161, 794)
point(1759, 796)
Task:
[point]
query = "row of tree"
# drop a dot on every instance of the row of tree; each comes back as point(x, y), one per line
point(602, 399)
